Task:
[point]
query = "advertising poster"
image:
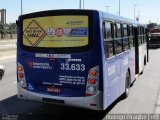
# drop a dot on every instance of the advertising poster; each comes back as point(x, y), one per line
point(56, 31)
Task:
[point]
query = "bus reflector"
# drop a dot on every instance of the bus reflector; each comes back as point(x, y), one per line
point(20, 68)
point(92, 81)
point(88, 94)
point(93, 73)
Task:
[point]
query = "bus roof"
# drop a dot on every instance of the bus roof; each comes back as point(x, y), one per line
point(116, 18)
point(102, 14)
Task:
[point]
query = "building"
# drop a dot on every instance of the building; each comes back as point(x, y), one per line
point(3, 16)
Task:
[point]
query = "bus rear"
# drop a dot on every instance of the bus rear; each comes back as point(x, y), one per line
point(154, 41)
point(59, 58)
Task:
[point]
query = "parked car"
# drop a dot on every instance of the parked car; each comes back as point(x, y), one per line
point(2, 71)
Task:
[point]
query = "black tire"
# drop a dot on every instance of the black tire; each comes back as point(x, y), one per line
point(1, 75)
point(127, 85)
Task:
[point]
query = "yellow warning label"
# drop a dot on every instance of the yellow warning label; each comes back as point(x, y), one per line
point(34, 33)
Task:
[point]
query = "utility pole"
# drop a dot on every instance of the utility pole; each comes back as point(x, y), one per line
point(107, 8)
point(119, 8)
point(138, 15)
point(21, 8)
point(80, 6)
point(83, 4)
point(135, 11)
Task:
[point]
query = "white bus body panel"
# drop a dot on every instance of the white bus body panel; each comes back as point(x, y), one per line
point(142, 55)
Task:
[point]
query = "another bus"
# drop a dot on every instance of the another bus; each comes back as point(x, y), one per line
point(82, 58)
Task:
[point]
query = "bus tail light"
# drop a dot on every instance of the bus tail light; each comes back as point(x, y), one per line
point(93, 73)
point(21, 76)
point(92, 81)
point(19, 68)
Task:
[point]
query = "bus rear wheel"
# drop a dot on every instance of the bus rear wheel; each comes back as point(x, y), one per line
point(127, 85)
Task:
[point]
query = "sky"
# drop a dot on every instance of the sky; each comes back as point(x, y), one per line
point(148, 9)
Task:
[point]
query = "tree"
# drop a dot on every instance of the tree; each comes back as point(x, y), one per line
point(2, 29)
point(12, 28)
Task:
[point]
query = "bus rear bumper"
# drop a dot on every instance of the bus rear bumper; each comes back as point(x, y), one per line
point(92, 102)
point(153, 46)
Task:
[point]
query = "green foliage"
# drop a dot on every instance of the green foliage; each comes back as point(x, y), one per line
point(8, 28)
point(2, 28)
point(12, 28)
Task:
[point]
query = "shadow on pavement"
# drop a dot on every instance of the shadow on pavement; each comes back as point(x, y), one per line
point(13, 108)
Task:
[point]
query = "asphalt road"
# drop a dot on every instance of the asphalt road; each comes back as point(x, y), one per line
point(143, 97)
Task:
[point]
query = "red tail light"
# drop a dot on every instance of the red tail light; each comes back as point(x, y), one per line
point(92, 81)
point(21, 75)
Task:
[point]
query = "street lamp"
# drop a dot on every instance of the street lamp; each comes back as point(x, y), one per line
point(138, 15)
point(134, 11)
point(119, 8)
point(21, 8)
point(83, 4)
point(107, 7)
point(80, 4)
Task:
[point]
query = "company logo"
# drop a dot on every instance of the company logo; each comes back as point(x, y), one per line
point(50, 32)
point(67, 31)
point(59, 32)
point(79, 32)
point(74, 22)
point(37, 65)
point(54, 89)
